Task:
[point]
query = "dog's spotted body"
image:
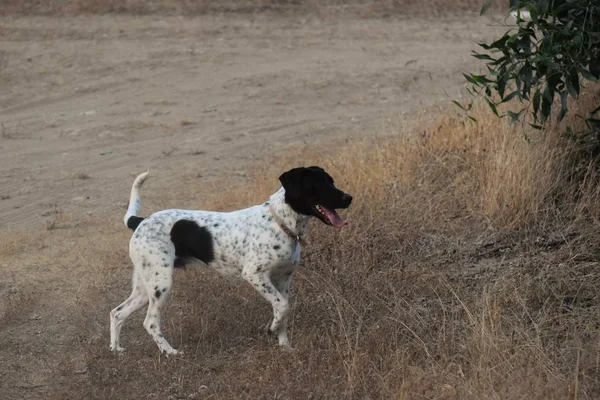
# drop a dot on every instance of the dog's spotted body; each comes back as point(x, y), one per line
point(249, 243)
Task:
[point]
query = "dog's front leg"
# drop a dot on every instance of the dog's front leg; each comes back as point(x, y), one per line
point(282, 284)
point(281, 308)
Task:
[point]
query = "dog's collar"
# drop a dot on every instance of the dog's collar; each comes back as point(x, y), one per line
point(285, 228)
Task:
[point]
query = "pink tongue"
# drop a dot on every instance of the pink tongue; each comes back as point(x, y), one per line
point(333, 217)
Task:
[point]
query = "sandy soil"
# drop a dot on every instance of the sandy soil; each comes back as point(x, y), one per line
point(87, 102)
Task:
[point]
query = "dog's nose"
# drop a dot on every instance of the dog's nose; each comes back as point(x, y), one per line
point(347, 199)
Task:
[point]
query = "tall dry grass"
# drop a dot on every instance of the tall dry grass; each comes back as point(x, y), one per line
point(470, 266)
point(469, 270)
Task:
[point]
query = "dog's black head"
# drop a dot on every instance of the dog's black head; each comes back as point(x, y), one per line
point(310, 191)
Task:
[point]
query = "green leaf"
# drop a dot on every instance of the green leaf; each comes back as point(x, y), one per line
point(485, 6)
point(480, 56)
point(547, 98)
point(538, 127)
point(572, 81)
point(551, 64)
point(511, 96)
point(548, 93)
point(477, 79)
point(492, 71)
point(493, 107)
point(481, 79)
point(512, 41)
point(527, 73)
point(593, 123)
point(564, 7)
point(533, 13)
point(587, 75)
point(467, 108)
point(536, 101)
point(498, 44)
point(563, 105)
point(500, 61)
point(501, 85)
point(515, 116)
point(468, 78)
point(544, 4)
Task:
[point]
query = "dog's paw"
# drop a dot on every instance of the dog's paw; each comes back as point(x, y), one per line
point(284, 342)
point(172, 352)
point(116, 349)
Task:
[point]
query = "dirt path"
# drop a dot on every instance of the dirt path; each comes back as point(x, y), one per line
point(87, 102)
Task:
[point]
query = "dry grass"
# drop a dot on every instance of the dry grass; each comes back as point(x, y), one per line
point(469, 271)
point(194, 7)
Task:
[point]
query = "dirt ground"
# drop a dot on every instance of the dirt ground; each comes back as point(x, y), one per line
point(88, 102)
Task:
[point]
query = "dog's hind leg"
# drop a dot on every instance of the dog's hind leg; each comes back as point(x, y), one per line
point(158, 296)
point(137, 300)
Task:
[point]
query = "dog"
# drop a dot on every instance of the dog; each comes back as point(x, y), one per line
point(260, 244)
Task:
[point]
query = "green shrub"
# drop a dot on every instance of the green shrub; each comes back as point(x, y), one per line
point(546, 56)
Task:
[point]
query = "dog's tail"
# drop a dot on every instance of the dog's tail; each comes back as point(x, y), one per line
point(131, 218)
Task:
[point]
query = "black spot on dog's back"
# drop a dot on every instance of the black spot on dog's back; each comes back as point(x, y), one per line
point(191, 240)
point(133, 222)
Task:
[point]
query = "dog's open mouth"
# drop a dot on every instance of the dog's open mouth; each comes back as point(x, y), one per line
point(328, 216)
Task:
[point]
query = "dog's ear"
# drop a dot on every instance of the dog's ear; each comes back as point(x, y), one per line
point(317, 169)
point(292, 182)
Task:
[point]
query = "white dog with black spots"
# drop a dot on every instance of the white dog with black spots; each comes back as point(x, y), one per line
point(260, 244)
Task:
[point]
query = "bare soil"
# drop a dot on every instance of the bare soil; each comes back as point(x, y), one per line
point(87, 102)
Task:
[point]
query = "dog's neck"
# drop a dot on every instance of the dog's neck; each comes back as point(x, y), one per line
point(294, 221)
